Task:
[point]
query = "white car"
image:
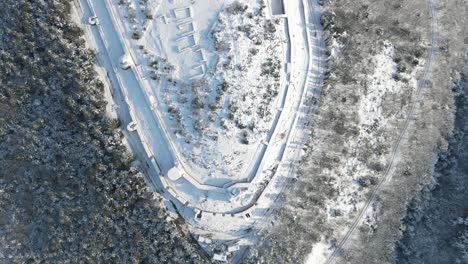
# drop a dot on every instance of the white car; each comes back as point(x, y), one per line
point(93, 20)
point(125, 62)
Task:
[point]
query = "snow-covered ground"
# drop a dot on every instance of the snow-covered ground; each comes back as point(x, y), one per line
point(216, 200)
point(217, 101)
point(372, 119)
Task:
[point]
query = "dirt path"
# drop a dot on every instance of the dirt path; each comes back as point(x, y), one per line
point(421, 84)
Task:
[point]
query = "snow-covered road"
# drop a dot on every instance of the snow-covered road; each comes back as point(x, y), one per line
point(141, 114)
point(221, 212)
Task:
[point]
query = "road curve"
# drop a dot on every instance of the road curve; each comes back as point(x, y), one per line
point(127, 81)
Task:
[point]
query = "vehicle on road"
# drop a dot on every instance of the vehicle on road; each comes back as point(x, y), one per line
point(125, 62)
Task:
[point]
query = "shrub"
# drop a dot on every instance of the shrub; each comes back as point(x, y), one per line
point(253, 51)
point(136, 34)
point(224, 86)
point(197, 103)
point(236, 8)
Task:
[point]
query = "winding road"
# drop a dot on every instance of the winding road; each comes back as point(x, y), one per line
point(152, 144)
